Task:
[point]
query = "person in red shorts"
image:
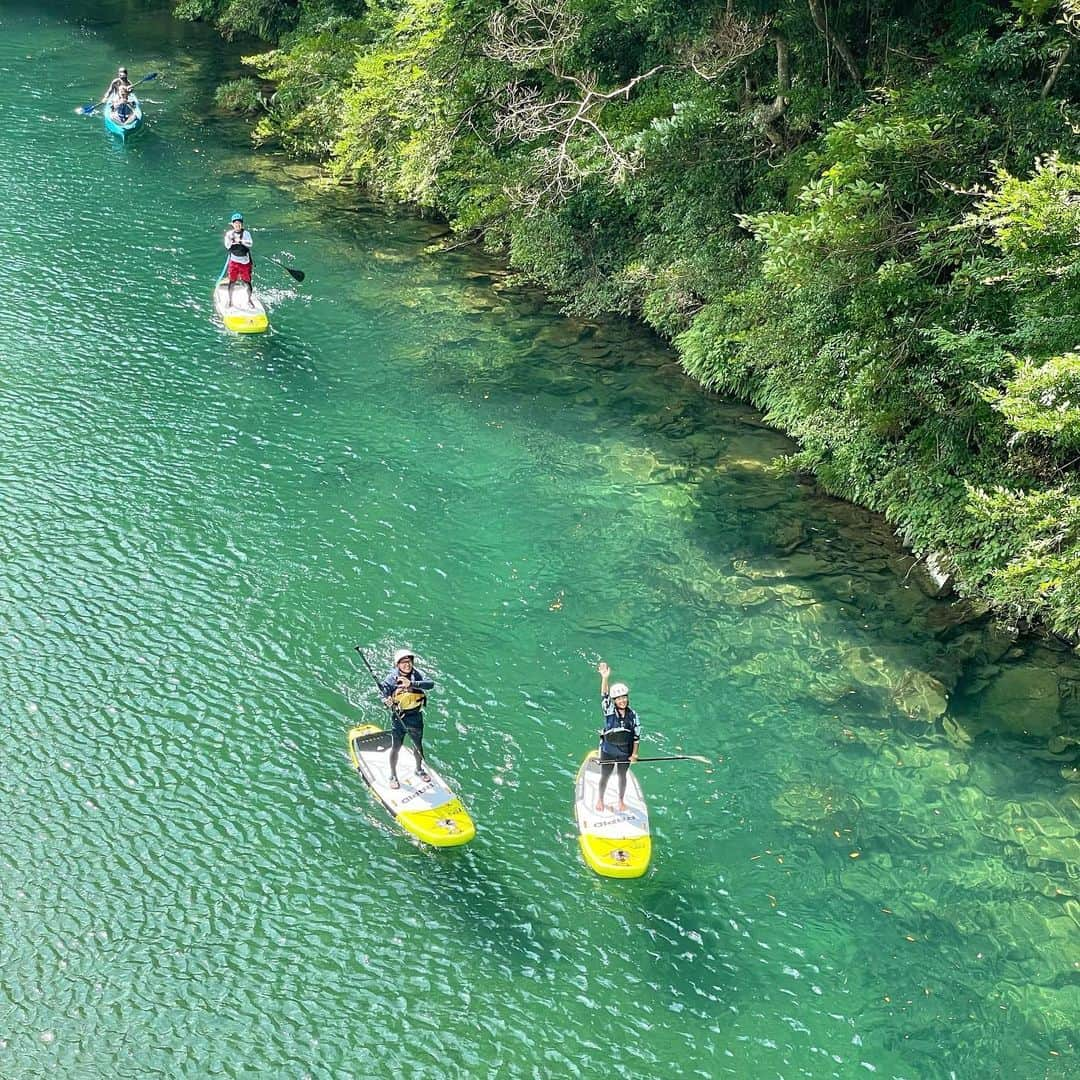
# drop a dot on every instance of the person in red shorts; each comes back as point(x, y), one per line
point(238, 243)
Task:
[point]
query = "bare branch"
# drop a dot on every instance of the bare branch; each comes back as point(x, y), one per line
point(1055, 71)
point(768, 115)
point(733, 39)
point(532, 33)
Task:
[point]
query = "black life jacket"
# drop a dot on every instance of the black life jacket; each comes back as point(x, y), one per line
point(619, 736)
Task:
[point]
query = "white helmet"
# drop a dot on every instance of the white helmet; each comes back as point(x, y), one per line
point(619, 689)
point(402, 654)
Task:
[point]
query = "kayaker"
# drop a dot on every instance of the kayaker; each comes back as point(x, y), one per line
point(403, 692)
point(238, 243)
point(619, 737)
point(121, 82)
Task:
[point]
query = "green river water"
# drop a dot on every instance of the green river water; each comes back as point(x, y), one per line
point(197, 528)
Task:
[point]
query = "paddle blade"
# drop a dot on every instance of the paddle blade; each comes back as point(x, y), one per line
point(85, 110)
point(297, 274)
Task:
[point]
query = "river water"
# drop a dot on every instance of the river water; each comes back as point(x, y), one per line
point(880, 874)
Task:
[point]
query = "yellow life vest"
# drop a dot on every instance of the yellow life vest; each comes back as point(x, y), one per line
point(409, 700)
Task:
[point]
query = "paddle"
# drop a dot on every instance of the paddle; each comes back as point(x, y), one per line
point(299, 275)
point(394, 710)
point(87, 110)
point(673, 757)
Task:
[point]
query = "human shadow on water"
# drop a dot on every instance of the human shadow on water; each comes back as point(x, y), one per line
point(281, 360)
point(499, 921)
point(683, 937)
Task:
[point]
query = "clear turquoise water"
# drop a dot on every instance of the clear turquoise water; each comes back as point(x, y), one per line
point(197, 530)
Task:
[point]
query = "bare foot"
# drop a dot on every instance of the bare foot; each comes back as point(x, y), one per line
point(622, 808)
point(599, 804)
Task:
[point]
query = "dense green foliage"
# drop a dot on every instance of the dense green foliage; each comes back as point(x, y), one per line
point(862, 217)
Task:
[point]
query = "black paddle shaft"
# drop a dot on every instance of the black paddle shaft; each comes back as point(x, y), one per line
point(394, 711)
point(673, 757)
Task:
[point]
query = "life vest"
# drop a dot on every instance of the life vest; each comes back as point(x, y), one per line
point(238, 249)
point(617, 738)
point(409, 700)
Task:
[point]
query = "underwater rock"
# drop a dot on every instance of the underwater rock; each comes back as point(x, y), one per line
point(789, 535)
point(302, 172)
point(560, 335)
point(799, 565)
point(813, 805)
point(960, 733)
point(476, 299)
point(980, 646)
point(1023, 700)
point(1048, 1009)
point(946, 619)
point(1061, 744)
point(920, 696)
point(870, 668)
point(752, 597)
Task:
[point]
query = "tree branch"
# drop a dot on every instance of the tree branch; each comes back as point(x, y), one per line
point(1054, 72)
point(821, 21)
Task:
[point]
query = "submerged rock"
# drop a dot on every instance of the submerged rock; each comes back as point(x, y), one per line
point(1048, 1009)
point(1023, 700)
point(921, 696)
point(813, 805)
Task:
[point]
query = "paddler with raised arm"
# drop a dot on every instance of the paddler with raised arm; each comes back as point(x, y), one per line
point(619, 737)
point(403, 693)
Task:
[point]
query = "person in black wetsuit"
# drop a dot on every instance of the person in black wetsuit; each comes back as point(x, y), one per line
point(620, 735)
point(403, 693)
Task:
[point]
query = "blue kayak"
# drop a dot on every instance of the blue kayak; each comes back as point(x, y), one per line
point(126, 127)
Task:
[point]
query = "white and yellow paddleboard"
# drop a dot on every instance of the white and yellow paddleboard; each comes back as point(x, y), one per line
point(238, 316)
point(615, 843)
point(426, 808)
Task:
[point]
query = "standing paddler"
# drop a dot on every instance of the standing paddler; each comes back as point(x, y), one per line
point(619, 737)
point(403, 693)
point(238, 244)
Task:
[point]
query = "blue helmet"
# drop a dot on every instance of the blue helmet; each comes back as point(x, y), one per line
point(237, 217)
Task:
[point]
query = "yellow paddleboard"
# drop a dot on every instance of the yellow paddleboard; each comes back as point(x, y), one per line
point(615, 843)
point(239, 316)
point(426, 808)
